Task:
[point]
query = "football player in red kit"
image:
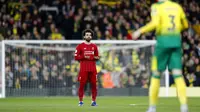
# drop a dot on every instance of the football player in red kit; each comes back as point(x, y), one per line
point(87, 54)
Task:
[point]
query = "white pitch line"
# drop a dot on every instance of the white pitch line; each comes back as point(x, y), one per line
point(132, 104)
point(138, 104)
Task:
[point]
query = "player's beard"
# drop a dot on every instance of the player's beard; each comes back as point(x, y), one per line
point(88, 39)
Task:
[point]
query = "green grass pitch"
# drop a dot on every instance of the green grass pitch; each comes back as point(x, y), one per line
point(106, 104)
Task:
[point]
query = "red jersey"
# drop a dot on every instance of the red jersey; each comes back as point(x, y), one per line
point(83, 50)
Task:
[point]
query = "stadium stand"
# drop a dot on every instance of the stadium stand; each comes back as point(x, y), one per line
point(66, 19)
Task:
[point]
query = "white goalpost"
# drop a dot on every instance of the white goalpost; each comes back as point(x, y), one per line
point(2, 79)
point(47, 67)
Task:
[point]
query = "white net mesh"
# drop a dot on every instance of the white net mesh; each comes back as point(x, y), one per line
point(38, 69)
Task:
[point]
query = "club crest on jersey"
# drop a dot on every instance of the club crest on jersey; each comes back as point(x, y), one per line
point(92, 48)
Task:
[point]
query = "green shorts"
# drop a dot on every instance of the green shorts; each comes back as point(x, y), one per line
point(167, 57)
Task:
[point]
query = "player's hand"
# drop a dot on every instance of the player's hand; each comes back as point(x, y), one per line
point(96, 57)
point(87, 57)
point(136, 34)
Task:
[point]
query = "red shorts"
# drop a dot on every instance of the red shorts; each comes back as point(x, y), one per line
point(87, 77)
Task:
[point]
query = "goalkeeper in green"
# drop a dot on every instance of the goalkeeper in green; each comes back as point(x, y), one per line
point(168, 19)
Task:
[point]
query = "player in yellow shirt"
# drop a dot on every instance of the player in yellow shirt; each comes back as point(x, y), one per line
point(168, 19)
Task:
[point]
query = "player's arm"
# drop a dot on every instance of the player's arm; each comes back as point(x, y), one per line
point(151, 25)
point(96, 53)
point(78, 55)
point(183, 19)
point(95, 56)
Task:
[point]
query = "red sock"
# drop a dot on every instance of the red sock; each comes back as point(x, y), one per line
point(81, 91)
point(94, 91)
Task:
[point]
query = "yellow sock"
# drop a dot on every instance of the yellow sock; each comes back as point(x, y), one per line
point(181, 89)
point(154, 89)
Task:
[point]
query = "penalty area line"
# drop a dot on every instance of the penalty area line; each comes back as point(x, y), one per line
point(134, 104)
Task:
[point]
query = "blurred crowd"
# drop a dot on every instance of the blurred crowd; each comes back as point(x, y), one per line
point(66, 19)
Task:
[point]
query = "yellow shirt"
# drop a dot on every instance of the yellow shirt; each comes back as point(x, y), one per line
point(168, 19)
point(56, 36)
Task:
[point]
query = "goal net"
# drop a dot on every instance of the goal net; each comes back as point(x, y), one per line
point(48, 68)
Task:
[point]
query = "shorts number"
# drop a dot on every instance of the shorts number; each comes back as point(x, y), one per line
point(172, 17)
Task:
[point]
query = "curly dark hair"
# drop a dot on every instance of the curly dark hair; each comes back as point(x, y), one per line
point(87, 30)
